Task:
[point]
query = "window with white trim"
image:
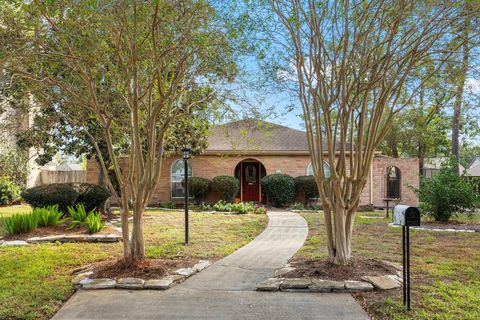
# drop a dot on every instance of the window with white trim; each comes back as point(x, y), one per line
point(177, 176)
point(326, 169)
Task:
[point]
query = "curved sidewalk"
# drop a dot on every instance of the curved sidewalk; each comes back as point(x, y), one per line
point(225, 290)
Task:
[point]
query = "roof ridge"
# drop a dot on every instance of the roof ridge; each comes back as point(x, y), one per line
point(246, 120)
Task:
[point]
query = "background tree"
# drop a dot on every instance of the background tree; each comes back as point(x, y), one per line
point(130, 66)
point(355, 64)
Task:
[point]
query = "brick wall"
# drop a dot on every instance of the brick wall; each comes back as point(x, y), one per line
point(210, 166)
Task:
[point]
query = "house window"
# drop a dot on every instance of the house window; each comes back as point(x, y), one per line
point(177, 177)
point(326, 169)
point(393, 182)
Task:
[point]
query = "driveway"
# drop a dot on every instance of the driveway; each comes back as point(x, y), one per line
point(226, 289)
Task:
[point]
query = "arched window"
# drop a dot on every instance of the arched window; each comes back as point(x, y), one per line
point(177, 176)
point(326, 169)
point(393, 182)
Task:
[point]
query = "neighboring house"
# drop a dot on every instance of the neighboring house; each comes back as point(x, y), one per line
point(474, 168)
point(432, 166)
point(250, 150)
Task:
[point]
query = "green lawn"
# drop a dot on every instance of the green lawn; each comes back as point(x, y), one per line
point(36, 280)
point(445, 267)
point(8, 211)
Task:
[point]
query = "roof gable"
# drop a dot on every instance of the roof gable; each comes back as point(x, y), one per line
point(256, 135)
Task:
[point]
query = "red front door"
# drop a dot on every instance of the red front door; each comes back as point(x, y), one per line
point(251, 181)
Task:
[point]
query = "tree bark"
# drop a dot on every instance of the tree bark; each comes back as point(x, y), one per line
point(457, 107)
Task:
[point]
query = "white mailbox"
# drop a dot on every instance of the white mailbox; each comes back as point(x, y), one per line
point(406, 216)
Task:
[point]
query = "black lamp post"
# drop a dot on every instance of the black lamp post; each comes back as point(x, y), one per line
point(186, 156)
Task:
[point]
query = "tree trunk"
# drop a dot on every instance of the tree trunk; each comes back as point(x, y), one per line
point(343, 236)
point(137, 243)
point(457, 107)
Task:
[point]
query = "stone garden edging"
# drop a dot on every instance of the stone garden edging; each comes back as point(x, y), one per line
point(368, 283)
point(82, 280)
point(102, 238)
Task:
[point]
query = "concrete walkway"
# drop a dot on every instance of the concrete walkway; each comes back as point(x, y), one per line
point(226, 289)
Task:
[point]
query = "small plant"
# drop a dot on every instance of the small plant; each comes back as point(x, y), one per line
point(48, 216)
point(314, 206)
point(94, 222)
point(78, 215)
point(202, 207)
point(243, 207)
point(297, 206)
point(226, 187)
point(279, 188)
point(21, 223)
point(223, 206)
point(167, 205)
point(260, 210)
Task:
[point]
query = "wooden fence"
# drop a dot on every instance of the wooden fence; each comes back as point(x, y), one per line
point(49, 176)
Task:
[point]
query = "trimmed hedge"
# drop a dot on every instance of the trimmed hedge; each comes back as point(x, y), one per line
point(67, 195)
point(307, 186)
point(199, 188)
point(279, 188)
point(226, 186)
point(61, 194)
point(92, 196)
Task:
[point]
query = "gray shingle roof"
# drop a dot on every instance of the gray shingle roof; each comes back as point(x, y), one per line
point(256, 135)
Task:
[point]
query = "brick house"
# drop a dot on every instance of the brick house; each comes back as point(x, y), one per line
point(250, 149)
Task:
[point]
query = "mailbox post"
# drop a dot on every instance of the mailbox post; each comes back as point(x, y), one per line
point(406, 217)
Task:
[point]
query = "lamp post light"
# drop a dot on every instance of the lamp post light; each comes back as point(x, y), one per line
point(186, 155)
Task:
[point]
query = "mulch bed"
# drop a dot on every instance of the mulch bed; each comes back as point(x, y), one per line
point(56, 230)
point(325, 269)
point(147, 269)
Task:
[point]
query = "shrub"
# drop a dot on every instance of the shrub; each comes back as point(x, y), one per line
point(61, 194)
point(260, 210)
point(9, 191)
point(66, 195)
point(306, 186)
point(48, 216)
point(21, 223)
point(279, 188)
point(94, 222)
point(92, 196)
point(226, 187)
point(223, 206)
point(198, 188)
point(446, 193)
point(78, 215)
point(297, 206)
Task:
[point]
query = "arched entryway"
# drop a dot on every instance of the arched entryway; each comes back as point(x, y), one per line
point(249, 172)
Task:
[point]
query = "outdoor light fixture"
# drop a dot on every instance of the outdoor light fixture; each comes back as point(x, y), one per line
point(186, 155)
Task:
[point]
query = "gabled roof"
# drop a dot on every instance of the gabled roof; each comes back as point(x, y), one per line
point(256, 136)
point(474, 167)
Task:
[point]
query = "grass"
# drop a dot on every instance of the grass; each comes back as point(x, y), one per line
point(446, 281)
point(36, 280)
point(11, 210)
